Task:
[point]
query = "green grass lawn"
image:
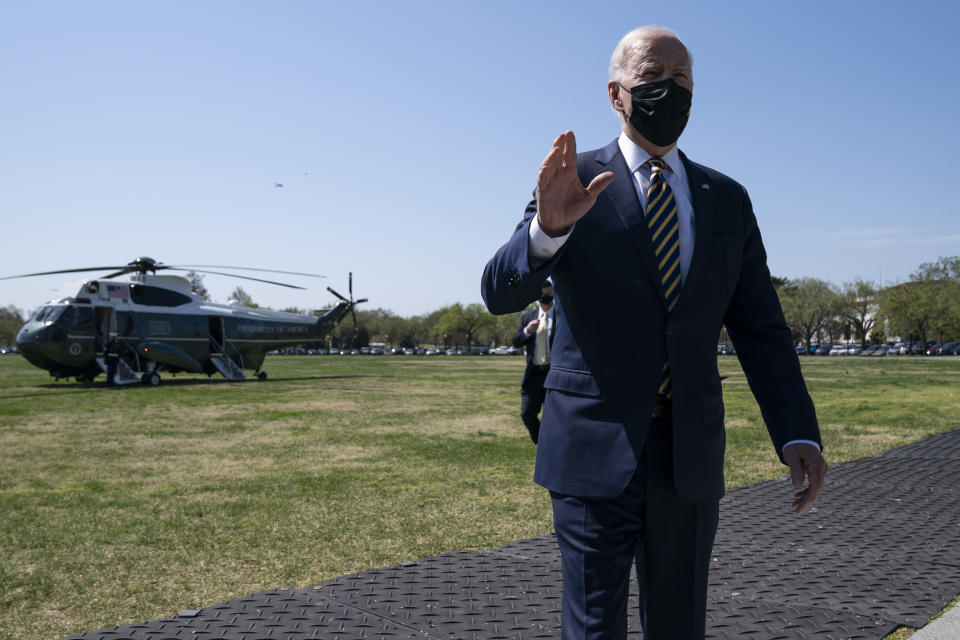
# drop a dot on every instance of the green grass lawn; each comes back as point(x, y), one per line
point(130, 504)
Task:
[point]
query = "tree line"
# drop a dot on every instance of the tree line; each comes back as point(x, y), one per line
point(927, 307)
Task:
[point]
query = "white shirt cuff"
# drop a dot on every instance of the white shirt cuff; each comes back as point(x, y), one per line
point(542, 246)
point(804, 442)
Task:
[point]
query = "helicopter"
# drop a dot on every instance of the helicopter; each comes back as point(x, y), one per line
point(155, 323)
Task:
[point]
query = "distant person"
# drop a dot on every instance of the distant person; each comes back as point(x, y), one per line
point(111, 355)
point(650, 255)
point(536, 335)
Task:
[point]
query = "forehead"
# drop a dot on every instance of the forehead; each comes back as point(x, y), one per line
point(658, 49)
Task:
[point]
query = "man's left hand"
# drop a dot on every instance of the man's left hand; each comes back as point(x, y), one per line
point(805, 460)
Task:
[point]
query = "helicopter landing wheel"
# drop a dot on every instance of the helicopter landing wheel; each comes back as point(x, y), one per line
point(151, 379)
point(262, 375)
point(84, 379)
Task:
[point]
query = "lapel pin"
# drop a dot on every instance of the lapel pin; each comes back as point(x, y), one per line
point(705, 186)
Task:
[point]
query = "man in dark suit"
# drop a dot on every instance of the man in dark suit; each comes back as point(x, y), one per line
point(632, 438)
point(536, 335)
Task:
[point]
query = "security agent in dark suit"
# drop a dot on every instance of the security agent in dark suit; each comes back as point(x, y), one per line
point(536, 335)
point(632, 438)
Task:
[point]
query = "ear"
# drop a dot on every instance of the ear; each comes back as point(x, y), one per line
point(614, 91)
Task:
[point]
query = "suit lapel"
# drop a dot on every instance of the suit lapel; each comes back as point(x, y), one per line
point(623, 195)
point(703, 200)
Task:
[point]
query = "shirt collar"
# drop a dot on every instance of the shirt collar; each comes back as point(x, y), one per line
point(635, 156)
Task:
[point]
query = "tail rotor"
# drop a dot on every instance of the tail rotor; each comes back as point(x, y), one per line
point(350, 301)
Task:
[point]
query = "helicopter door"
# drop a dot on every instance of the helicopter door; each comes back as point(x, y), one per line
point(105, 323)
point(216, 334)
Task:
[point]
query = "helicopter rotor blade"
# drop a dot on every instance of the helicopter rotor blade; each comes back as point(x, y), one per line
point(233, 275)
point(337, 294)
point(354, 313)
point(47, 273)
point(220, 266)
point(351, 285)
point(117, 273)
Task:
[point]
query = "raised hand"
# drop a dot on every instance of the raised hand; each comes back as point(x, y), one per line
point(561, 198)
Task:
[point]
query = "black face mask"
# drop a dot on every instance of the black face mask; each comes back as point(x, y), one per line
point(660, 110)
point(546, 299)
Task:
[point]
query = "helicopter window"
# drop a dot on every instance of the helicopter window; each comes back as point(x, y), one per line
point(159, 328)
point(156, 296)
point(78, 318)
point(48, 314)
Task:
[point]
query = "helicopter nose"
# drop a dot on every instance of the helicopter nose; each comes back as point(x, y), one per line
point(34, 344)
point(25, 337)
point(26, 341)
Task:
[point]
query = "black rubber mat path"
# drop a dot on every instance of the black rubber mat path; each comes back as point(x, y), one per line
point(880, 549)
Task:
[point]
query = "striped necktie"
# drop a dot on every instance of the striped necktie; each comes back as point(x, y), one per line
point(665, 233)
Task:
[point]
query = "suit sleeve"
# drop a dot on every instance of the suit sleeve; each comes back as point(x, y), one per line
point(513, 277)
point(520, 338)
point(764, 344)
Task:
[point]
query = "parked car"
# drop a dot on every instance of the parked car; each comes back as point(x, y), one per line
point(853, 349)
point(838, 350)
point(946, 349)
point(823, 349)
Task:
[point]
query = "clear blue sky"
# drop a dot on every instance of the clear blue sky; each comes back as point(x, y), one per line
point(160, 128)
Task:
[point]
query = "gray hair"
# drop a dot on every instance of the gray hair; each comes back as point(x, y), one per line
point(633, 44)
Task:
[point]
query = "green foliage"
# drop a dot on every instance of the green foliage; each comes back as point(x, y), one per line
point(196, 284)
point(458, 322)
point(858, 306)
point(505, 327)
point(922, 309)
point(808, 306)
point(240, 295)
point(11, 319)
point(929, 305)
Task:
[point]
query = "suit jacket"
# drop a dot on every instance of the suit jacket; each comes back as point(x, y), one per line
point(602, 384)
point(521, 339)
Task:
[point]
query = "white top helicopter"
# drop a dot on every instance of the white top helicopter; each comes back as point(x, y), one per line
point(134, 330)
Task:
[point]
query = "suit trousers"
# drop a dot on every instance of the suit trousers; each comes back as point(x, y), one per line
point(532, 396)
point(669, 542)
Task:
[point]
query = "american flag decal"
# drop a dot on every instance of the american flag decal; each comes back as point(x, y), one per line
point(120, 291)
